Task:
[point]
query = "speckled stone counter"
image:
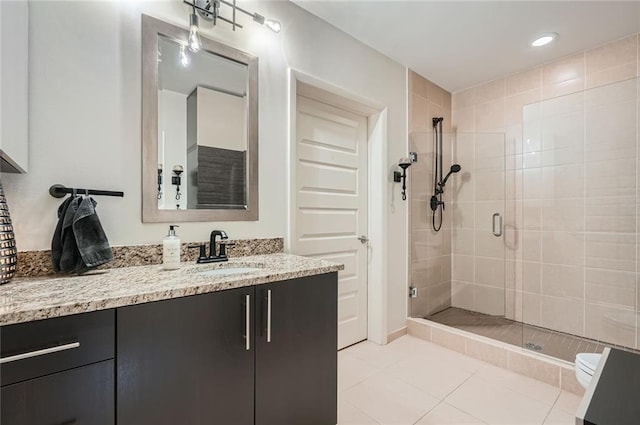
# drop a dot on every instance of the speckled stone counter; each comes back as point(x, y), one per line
point(38, 263)
point(29, 299)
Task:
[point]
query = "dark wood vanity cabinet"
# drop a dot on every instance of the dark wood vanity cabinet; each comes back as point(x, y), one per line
point(58, 371)
point(263, 355)
point(187, 360)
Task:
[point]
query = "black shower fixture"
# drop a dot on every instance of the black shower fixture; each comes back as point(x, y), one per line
point(436, 203)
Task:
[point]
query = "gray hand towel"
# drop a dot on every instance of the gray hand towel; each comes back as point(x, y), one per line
point(56, 241)
point(70, 259)
point(91, 240)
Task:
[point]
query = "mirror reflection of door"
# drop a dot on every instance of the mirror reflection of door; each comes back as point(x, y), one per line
point(202, 129)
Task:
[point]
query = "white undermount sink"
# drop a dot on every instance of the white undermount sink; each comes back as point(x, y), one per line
point(228, 271)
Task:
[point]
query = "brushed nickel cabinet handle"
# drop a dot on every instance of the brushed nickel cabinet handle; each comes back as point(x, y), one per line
point(247, 318)
point(37, 353)
point(269, 315)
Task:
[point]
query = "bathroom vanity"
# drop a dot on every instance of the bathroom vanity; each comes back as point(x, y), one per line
point(251, 341)
point(612, 395)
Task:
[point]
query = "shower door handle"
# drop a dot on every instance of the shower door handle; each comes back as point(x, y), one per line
point(497, 232)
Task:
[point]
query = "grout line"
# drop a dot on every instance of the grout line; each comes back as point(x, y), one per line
point(552, 406)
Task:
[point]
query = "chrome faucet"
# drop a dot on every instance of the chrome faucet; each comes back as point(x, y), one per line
point(217, 250)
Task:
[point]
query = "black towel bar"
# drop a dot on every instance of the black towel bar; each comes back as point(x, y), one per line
point(59, 191)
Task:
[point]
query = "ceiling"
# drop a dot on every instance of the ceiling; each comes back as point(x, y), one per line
point(458, 44)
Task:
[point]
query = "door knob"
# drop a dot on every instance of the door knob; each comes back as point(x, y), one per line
point(363, 239)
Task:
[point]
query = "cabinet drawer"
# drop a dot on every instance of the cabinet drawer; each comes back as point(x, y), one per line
point(81, 396)
point(30, 350)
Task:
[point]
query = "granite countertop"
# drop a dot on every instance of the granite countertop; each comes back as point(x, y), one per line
point(28, 299)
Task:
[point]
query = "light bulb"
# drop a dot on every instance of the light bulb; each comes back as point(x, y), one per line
point(273, 25)
point(184, 57)
point(194, 36)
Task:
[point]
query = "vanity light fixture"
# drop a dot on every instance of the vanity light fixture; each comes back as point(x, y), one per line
point(209, 10)
point(398, 177)
point(194, 36)
point(544, 39)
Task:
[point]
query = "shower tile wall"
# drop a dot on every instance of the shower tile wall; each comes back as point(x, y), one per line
point(430, 259)
point(572, 190)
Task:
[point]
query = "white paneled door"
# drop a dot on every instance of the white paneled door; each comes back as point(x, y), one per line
point(330, 210)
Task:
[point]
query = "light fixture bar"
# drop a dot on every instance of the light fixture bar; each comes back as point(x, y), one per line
point(272, 24)
point(209, 12)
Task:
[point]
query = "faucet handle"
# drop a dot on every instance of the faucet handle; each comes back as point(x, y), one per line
point(223, 248)
point(203, 251)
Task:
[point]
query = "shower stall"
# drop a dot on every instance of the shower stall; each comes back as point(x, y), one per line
point(538, 245)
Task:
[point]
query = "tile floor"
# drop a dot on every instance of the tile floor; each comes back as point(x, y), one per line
point(411, 381)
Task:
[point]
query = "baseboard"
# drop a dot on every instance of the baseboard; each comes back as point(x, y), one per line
point(396, 334)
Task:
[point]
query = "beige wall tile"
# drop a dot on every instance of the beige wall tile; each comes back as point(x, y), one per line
point(530, 308)
point(612, 55)
point(463, 241)
point(524, 81)
point(614, 177)
point(562, 248)
point(531, 244)
point(534, 368)
point(490, 116)
point(420, 214)
point(463, 214)
point(532, 185)
point(610, 324)
point(488, 300)
point(562, 281)
point(610, 214)
point(463, 99)
point(419, 276)
point(490, 272)
point(614, 251)
point(448, 339)
point(562, 314)
point(487, 245)
point(563, 76)
point(417, 84)
point(531, 277)
point(419, 114)
point(531, 214)
point(464, 119)
point(514, 112)
point(462, 268)
point(489, 186)
point(436, 94)
point(614, 287)
point(419, 245)
point(487, 353)
point(563, 181)
point(462, 295)
point(611, 75)
point(484, 211)
point(492, 90)
point(563, 214)
point(420, 142)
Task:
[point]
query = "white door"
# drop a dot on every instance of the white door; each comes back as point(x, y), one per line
point(330, 209)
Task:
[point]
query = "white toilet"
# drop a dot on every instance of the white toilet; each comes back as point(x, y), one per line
point(586, 364)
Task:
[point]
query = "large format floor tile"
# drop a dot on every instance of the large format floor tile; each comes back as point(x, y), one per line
point(414, 382)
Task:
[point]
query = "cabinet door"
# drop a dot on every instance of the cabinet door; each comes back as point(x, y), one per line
point(185, 361)
point(296, 352)
point(82, 396)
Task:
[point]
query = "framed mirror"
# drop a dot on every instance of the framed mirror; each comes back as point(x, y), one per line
point(199, 128)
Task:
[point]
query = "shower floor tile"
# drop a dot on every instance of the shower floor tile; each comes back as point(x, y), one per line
point(552, 343)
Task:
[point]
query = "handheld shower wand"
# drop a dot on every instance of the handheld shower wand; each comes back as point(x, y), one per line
point(436, 203)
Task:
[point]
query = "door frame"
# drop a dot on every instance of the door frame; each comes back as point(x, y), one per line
point(307, 85)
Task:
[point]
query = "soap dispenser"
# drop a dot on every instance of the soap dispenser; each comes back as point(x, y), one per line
point(171, 250)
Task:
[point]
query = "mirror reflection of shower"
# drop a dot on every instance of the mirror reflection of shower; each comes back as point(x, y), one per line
point(437, 204)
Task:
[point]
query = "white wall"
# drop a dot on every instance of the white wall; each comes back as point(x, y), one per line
point(85, 121)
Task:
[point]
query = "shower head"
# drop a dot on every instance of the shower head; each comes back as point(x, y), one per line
point(455, 168)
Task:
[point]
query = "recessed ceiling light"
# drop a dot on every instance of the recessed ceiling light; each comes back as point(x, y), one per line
point(544, 39)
